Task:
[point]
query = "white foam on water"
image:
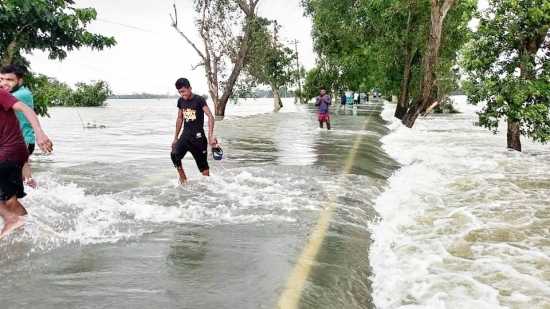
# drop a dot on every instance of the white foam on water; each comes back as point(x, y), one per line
point(250, 107)
point(464, 223)
point(64, 213)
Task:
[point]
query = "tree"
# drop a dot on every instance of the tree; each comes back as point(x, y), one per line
point(411, 41)
point(338, 37)
point(438, 12)
point(47, 91)
point(269, 61)
point(93, 94)
point(383, 44)
point(317, 77)
point(225, 27)
point(508, 68)
point(55, 26)
point(56, 93)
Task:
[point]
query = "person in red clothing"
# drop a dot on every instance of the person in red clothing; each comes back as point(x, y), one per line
point(13, 155)
point(323, 101)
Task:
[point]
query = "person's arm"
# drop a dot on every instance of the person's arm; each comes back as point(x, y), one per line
point(317, 101)
point(328, 100)
point(42, 139)
point(179, 123)
point(211, 139)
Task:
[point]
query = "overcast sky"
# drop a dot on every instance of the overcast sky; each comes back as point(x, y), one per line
point(150, 55)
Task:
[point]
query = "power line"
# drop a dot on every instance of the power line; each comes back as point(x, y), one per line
point(123, 25)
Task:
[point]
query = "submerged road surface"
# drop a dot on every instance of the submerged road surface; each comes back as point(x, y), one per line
point(283, 221)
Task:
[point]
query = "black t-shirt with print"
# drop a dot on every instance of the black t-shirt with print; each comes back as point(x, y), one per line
point(193, 115)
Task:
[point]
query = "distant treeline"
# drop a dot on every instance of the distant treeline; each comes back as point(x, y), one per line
point(48, 91)
point(255, 93)
point(142, 96)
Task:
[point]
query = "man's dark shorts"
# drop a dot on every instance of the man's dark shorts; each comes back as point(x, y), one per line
point(11, 181)
point(197, 145)
point(30, 148)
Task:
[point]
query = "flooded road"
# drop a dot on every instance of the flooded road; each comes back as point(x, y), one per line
point(110, 228)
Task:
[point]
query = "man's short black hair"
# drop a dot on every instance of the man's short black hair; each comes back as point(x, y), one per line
point(19, 70)
point(182, 82)
point(322, 88)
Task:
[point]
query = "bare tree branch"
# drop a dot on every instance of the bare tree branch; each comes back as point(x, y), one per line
point(245, 7)
point(446, 7)
point(174, 19)
point(225, 31)
point(200, 64)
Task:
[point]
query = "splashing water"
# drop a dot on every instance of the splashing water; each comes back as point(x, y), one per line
point(464, 223)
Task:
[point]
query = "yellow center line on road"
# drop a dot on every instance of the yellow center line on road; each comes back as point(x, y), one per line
point(290, 298)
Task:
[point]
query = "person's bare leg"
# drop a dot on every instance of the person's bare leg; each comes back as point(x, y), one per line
point(206, 173)
point(181, 175)
point(13, 214)
point(328, 124)
point(27, 175)
point(320, 124)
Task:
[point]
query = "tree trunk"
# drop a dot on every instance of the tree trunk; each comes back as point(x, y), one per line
point(403, 102)
point(527, 55)
point(219, 110)
point(7, 57)
point(241, 57)
point(513, 135)
point(438, 13)
point(277, 102)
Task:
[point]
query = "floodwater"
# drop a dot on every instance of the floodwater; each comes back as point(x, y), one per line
point(109, 227)
point(464, 223)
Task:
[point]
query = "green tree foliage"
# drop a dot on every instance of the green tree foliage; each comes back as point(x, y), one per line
point(508, 68)
point(47, 91)
point(381, 44)
point(441, 30)
point(55, 93)
point(93, 94)
point(320, 77)
point(269, 62)
point(338, 39)
point(55, 26)
point(364, 41)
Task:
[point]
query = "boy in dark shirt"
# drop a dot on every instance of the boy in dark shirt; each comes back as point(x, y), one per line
point(191, 110)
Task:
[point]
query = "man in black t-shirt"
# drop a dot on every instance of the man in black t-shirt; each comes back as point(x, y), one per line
point(191, 110)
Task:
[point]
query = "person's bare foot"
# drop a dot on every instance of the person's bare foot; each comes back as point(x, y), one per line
point(11, 225)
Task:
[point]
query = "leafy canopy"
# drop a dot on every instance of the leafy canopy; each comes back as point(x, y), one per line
point(55, 26)
point(508, 66)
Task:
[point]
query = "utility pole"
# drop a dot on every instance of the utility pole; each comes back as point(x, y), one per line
point(295, 42)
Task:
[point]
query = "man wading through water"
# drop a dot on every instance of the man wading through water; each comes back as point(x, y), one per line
point(191, 110)
point(11, 79)
point(323, 101)
point(13, 155)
